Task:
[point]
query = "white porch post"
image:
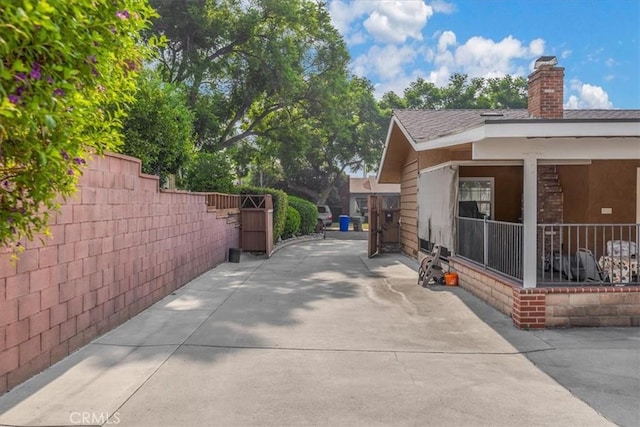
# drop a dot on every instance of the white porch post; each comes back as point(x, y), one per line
point(530, 220)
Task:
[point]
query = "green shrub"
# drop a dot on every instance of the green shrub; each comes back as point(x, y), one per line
point(67, 71)
point(308, 214)
point(280, 205)
point(158, 127)
point(209, 172)
point(291, 223)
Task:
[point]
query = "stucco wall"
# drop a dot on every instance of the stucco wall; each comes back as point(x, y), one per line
point(118, 246)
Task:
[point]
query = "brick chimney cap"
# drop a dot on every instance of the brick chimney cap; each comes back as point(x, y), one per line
point(545, 61)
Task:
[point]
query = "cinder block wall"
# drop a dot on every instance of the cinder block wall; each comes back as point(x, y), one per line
point(118, 246)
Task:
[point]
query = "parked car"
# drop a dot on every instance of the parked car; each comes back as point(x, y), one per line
point(324, 215)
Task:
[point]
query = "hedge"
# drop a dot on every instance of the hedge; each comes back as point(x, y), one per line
point(308, 214)
point(292, 223)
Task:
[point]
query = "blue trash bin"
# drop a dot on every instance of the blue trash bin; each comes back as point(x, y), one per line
point(344, 222)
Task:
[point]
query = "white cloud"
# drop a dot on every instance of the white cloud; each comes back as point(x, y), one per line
point(448, 38)
point(566, 53)
point(610, 62)
point(587, 96)
point(396, 21)
point(344, 13)
point(385, 21)
point(480, 57)
point(441, 6)
point(386, 62)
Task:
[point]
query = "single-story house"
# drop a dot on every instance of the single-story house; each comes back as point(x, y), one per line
point(538, 209)
point(361, 188)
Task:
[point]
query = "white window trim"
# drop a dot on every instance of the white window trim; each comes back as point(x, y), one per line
point(491, 179)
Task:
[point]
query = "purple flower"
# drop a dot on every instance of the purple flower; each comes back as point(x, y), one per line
point(113, 30)
point(58, 92)
point(78, 160)
point(6, 184)
point(122, 14)
point(20, 77)
point(20, 91)
point(95, 72)
point(35, 72)
point(14, 99)
point(70, 172)
point(92, 59)
point(50, 80)
point(64, 155)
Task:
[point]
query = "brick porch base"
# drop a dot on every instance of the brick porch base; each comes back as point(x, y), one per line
point(537, 308)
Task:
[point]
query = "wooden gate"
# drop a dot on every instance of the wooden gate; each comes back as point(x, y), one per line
point(373, 204)
point(256, 215)
point(384, 225)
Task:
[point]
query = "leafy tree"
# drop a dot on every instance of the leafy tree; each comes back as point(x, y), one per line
point(316, 145)
point(507, 92)
point(244, 60)
point(461, 92)
point(159, 126)
point(209, 172)
point(62, 64)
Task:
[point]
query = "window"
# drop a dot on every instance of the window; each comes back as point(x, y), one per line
point(479, 190)
point(361, 206)
point(390, 202)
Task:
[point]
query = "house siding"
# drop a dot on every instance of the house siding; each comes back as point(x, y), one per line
point(409, 207)
point(602, 184)
point(508, 189)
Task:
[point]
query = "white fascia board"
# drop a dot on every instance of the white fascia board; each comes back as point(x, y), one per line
point(386, 145)
point(610, 148)
point(562, 129)
point(532, 129)
point(471, 135)
point(498, 163)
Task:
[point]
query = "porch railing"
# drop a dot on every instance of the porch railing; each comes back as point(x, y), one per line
point(588, 253)
point(496, 245)
point(567, 254)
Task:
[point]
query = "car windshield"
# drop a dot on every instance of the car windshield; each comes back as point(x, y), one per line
point(322, 209)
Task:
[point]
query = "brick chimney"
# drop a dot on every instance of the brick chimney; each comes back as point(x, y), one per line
point(546, 90)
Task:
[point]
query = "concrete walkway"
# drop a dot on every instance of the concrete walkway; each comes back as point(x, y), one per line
point(317, 335)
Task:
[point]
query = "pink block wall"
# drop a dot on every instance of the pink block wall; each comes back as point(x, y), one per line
point(118, 246)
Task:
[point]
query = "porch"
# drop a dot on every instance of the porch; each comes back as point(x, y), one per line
point(567, 254)
point(598, 286)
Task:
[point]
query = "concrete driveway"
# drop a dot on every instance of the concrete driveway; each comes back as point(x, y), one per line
point(317, 335)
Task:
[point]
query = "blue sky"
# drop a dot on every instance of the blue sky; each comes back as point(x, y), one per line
point(392, 43)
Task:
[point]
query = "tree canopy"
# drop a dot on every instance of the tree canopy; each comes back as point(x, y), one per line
point(159, 126)
point(461, 92)
point(244, 60)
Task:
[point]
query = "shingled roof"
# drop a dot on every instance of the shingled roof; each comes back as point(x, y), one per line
point(425, 125)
